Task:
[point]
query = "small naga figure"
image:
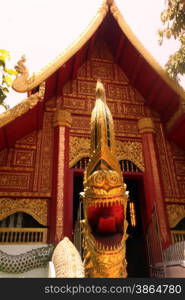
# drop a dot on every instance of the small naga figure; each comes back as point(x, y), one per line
point(104, 199)
point(21, 67)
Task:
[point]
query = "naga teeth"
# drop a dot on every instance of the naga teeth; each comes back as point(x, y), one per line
point(103, 203)
point(99, 245)
point(103, 247)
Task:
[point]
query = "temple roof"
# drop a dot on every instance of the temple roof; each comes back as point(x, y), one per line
point(25, 83)
point(160, 92)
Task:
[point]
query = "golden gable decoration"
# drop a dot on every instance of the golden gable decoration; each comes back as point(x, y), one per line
point(80, 147)
point(22, 107)
point(37, 208)
point(175, 214)
point(130, 151)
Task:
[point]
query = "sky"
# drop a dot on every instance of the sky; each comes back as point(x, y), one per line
point(42, 29)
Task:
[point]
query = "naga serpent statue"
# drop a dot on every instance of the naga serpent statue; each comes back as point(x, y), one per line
point(104, 199)
point(36, 258)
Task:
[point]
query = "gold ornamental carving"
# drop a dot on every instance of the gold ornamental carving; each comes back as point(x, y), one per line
point(175, 214)
point(22, 107)
point(130, 151)
point(62, 118)
point(16, 169)
point(60, 184)
point(37, 208)
point(22, 77)
point(80, 147)
point(146, 125)
point(25, 194)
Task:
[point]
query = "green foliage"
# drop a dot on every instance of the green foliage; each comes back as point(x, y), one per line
point(6, 77)
point(173, 18)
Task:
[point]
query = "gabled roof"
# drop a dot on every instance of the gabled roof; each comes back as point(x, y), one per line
point(24, 83)
point(148, 77)
point(21, 119)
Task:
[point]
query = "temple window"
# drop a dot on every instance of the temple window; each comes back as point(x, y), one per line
point(128, 166)
point(22, 228)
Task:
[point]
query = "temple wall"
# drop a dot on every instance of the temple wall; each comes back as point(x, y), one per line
point(26, 173)
point(126, 105)
point(172, 166)
point(27, 167)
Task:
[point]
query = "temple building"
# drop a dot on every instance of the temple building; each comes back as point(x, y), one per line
point(45, 146)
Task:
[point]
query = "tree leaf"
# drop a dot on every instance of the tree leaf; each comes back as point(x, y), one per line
point(8, 80)
point(10, 71)
point(2, 61)
point(2, 97)
point(4, 89)
point(173, 18)
point(5, 53)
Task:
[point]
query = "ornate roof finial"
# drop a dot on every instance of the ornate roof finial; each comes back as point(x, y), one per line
point(110, 2)
point(102, 127)
point(21, 67)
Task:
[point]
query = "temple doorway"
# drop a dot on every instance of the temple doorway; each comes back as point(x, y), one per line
point(136, 248)
point(77, 188)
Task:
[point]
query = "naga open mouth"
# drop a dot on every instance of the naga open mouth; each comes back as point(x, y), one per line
point(106, 221)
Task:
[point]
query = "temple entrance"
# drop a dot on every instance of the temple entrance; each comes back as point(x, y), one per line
point(77, 189)
point(136, 253)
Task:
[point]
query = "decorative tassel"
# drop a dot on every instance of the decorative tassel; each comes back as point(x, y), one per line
point(132, 214)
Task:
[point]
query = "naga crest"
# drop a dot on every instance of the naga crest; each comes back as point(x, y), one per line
point(104, 198)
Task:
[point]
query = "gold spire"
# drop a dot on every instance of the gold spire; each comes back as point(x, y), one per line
point(102, 153)
point(102, 127)
point(100, 91)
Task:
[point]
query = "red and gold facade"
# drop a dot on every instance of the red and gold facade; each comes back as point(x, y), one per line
point(36, 166)
point(35, 172)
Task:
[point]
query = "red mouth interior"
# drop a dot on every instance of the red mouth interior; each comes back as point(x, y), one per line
point(106, 223)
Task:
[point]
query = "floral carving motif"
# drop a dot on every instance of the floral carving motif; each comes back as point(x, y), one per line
point(131, 151)
point(80, 147)
point(175, 214)
point(37, 208)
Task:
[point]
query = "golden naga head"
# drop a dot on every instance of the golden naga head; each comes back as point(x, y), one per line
point(104, 197)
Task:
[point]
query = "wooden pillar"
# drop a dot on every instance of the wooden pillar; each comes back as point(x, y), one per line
point(152, 179)
point(60, 207)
